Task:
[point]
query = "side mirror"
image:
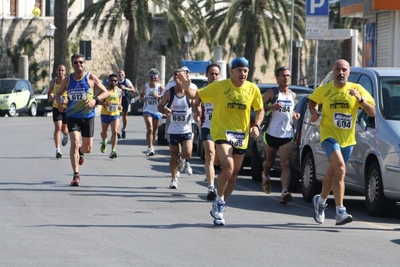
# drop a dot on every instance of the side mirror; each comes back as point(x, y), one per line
point(363, 124)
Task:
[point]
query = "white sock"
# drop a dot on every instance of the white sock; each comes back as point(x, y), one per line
point(338, 208)
point(220, 199)
point(58, 149)
point(321, 200)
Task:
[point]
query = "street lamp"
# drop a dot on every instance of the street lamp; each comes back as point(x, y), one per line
point(188, 36)
point(299, 44)
point(50, 29)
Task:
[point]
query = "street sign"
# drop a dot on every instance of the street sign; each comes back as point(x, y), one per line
point(317, 8)
point(315, 25)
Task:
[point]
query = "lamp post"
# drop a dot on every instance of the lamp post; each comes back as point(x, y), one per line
point(188, 36)
point(50, 29)
point(299, 44)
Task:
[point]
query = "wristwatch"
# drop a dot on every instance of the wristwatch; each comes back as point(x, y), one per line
point(361, 100)
point(258, 126)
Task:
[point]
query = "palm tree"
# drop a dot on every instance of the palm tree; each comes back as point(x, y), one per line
point(261, 24)
point(111, 13)
point(60, 35)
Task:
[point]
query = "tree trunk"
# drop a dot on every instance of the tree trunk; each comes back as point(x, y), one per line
point(60, 35)
point(250, 50)
point(132, 54)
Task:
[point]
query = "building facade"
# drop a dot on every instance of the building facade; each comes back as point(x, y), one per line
point(381, 30)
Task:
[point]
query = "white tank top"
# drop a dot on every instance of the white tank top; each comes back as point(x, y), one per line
point(281, 124)
point(180, 117)
point(150, 101)
point(207, 110)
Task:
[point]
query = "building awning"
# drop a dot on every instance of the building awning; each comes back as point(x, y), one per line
point(356, 8)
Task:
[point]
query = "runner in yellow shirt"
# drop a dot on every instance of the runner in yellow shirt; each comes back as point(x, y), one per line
point(340, 101)
point(230, 125)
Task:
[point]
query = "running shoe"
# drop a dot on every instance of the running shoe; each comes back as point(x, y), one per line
point(178, 174)
point(64, 140)
point(319, 210)
point(113, 155)
point(181, 164)
point(150, 152)
point(123, 134)
point(174, 183)
point(76, 180)
point(58, 155)
point(188, 169)
point(217, 212)
point(342, 217)
point(266, 184)
point(285, 197)
point(211, 194)
point(119, 136)
point(103, 147)
point(81, 159)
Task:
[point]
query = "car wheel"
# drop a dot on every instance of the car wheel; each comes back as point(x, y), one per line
point(375, 200)
point(161, 136)
point(309, 184)
point(32, 110)
point(294, 180)
point(256, 165)
point(12, 111)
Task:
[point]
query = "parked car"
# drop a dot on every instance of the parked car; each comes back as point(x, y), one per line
point(374, 165)
point(136, 104)
point(43, 103)
point(258, 151)
point(255, 154)
point(16, 96)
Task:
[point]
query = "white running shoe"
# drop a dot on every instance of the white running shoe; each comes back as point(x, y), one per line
point(211, 193)
point(150, 152)
point(319, 210)
point(188, 169)
point(217, 212)
point(342, 217)
point(174, 183)
point(64, 139)
point(181, 164)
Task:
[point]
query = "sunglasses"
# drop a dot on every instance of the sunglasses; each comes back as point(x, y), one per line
point(121, 74)
point(114, 81)
point(80, 62)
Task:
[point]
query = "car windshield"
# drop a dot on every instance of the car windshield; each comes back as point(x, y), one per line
point(7, 86)
point(199, 83)
point(390, 97)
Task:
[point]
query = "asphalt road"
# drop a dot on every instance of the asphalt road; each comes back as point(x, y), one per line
point(124, 214)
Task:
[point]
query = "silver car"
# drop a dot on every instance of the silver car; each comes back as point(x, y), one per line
point(374, 166)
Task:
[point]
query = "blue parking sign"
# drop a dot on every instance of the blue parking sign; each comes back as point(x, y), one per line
point(317, 7)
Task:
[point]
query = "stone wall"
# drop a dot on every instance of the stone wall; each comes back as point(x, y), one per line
point(108, 55)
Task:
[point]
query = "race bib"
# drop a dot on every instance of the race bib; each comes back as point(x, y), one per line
point(178, 115)
point(77, 94)
point(236, 139)
point(152, 101)
point(209, 114)
point(113, 108)
point(343, 121)
point(286, 104)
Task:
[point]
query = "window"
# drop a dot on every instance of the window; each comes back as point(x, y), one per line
point(366, 82)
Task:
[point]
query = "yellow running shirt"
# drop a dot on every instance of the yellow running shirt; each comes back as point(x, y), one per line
point(232, 107)
point(114, 98)
point(64, 97)
point(339, 111)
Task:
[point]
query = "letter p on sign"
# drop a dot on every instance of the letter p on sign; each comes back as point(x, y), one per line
point(317, 8)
